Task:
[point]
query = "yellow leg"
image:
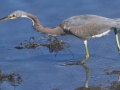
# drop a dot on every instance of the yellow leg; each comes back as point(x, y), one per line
point(117, 39)
point(87, 53)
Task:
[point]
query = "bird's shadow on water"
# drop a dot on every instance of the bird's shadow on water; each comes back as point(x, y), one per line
point(87, 70)
point(114, 85)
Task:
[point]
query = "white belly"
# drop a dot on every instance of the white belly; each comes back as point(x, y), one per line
point(102, 34)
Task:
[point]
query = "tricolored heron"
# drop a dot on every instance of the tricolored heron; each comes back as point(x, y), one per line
point(83, 26)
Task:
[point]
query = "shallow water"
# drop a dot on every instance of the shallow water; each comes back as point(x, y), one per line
point(41, 70)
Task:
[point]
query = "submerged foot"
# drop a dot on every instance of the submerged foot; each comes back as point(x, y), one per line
point(70, 63)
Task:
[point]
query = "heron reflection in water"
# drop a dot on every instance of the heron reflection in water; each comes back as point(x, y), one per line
point(83, 26)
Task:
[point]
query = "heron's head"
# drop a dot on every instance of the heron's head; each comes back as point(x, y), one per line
point(14, 15)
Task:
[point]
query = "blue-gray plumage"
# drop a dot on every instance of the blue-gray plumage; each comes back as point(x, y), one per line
point(82, 26)
point(89, 26)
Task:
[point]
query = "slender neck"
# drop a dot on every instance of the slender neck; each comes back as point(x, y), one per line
point(35, 20)
point(50, 31)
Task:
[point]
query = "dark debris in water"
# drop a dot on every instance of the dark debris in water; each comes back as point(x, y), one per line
point(113, 72)
point(115, 85)
point(52, 43)
point(14, 79)
point(90, 88)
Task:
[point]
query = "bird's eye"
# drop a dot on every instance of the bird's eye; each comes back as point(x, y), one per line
point(13, 15)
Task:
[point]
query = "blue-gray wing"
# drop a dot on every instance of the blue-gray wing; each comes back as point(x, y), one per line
point(86, 26)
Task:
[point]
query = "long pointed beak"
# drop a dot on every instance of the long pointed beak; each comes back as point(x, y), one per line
point(5, 18)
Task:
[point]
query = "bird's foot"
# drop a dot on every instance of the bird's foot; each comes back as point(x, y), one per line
point(70, 63)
